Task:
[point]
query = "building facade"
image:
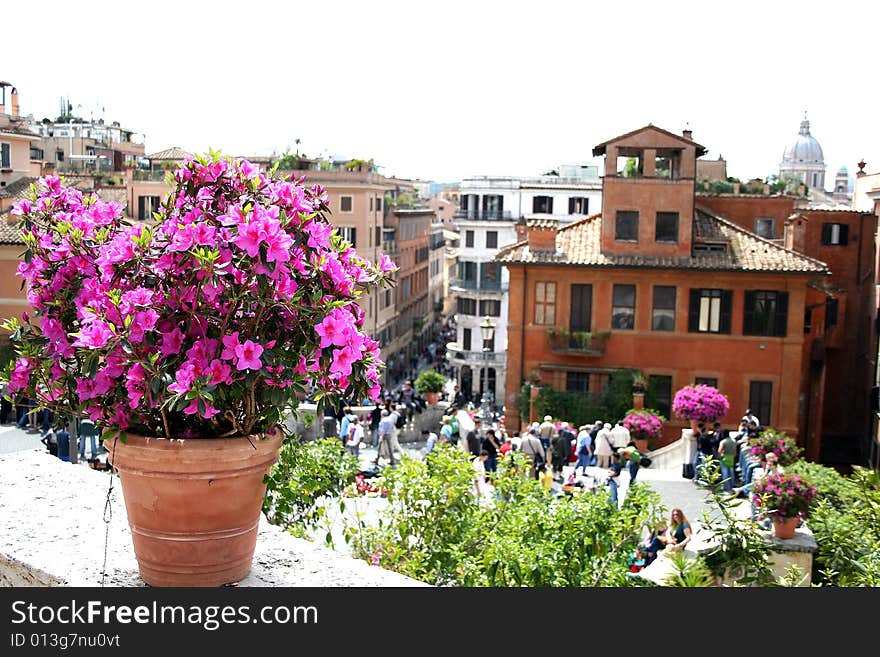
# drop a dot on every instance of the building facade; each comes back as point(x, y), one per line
point(656, 284)
point(489, 210)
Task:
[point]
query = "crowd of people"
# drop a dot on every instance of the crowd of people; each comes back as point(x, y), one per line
point(731, 449)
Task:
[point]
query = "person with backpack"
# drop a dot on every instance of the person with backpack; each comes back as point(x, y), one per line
point(531, 447)
point(475, 439)
point(355, 436)
point(455, 428)
point(727, 453)
point(632, 458)
point(386, 431)
point(604, 446)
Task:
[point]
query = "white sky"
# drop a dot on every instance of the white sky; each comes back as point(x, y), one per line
point(444, 90)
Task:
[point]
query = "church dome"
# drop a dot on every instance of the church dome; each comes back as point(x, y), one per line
point(805, 149)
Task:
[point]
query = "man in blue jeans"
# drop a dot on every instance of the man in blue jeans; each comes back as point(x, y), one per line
point(727, 452)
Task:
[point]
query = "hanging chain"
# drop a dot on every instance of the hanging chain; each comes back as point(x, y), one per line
point(108, 511)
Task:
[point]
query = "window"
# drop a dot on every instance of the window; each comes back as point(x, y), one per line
point(760, 400)
point(765, 313)
point(623, 307)
point(345, 203)
point(467, 306)
point(626, 227)
point(705, 381)
point(491, 239)
point(659, 395)
point(371, 204)
point(5, 156)
point(663, 318)
point(834, 235)
point(349, 234)
point(36, 153)
point(467, 273)
point(578, 205)
point(545, 303)
point(469, 238)
point(59, 155)
point(662, 167)
point(493, 205)
point(490, 276)
point(709, 311)
point(808, 321)
point(765, 227)
point(577, 381)
point(378, 235)
point(491, 307)
point(147, 205)
point(378, 203)
point(666, 228)
point(830, 314)
point(466, 339)
point(580, 317)
point(542, 205)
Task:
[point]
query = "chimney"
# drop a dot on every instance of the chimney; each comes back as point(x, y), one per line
point(542, 235)
point(520, 229)
point(687, 134)
point(14, 97)
point(794, 236)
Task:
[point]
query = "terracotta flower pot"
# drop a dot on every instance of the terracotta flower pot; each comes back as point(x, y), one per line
point(193, 505)
point(784, 527)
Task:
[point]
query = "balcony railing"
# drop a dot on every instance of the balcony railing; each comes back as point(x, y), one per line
point(470, 284)
point(484, 215)
point(478, 356)
point(577, 342)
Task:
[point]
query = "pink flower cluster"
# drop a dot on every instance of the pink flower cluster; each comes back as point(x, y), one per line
point(778, 442)
point(783, 494)
point(212, 321)
point(644, 424)
point(701, 403)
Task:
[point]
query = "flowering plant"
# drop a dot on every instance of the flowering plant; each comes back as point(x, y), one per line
point(644, 424)
point(208, 322)
point(701, 403)
point(777, 442)
point(783, 494)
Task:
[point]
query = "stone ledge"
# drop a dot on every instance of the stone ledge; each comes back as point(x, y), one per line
point(52, 534)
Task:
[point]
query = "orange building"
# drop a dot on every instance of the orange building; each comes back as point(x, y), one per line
point(655, 283)
point(840, 349)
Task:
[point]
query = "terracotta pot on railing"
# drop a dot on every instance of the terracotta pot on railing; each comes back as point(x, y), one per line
point(193, 505)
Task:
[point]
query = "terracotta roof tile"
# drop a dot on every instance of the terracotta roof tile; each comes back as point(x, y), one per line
point(18, 188)
point(580, 243)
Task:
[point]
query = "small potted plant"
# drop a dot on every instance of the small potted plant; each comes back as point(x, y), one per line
point(430, 384)
point(778, 442)
point(645, 426)
point(700, 403)
point(188, 341)
point(786, 498)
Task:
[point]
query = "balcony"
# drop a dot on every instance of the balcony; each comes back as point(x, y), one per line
point(562, 341)
point(455, 351)
point(480, 286)
point(485, 215)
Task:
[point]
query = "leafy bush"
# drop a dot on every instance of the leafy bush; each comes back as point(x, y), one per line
point(575, 407)
point(849, 538)
point(437, 531)
point(306, 473)
point(833, 487)
point(777, 442)
point(430, 381)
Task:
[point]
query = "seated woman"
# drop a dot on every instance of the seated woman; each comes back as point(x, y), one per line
point(679, 533)
point(654, 544)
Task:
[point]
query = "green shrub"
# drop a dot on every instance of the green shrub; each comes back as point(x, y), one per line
point(430, 381)
point(437, 531)
point(306, 473)
point(833, 487)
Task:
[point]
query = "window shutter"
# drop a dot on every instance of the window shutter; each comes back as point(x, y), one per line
point(781, 314)
point(749, 313)
point(550, 205)
point(844, 234)
point(694, 311)
point(826, 233)
point(141, 207)
point(726, 306)
point(500, 206)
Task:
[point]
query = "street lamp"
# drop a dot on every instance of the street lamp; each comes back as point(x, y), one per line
point(487, 330)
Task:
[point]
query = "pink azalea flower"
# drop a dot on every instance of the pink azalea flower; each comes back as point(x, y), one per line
point(248, 356)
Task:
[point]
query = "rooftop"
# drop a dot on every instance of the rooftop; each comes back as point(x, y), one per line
point(580, 243)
